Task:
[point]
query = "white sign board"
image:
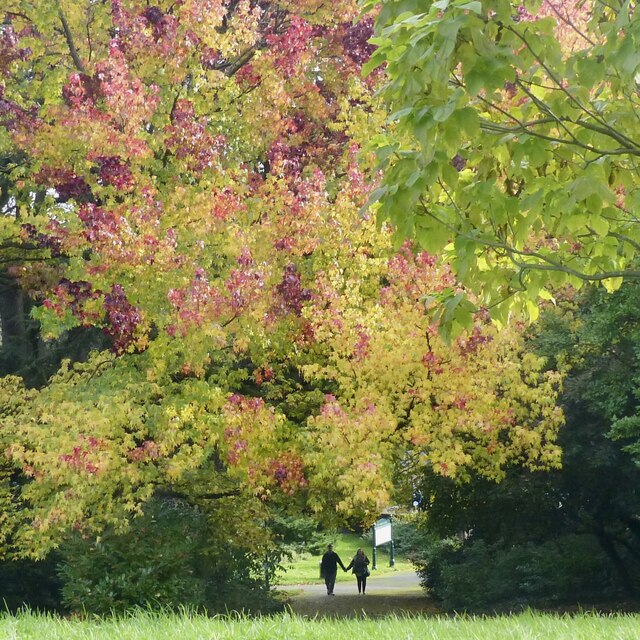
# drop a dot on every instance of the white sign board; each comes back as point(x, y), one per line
point(382, 533)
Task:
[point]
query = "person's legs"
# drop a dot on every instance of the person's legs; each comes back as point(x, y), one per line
point(364, 583)
point(330, 581)
point(359, 579)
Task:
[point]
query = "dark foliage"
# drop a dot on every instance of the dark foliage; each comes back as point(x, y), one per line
point(167, 559)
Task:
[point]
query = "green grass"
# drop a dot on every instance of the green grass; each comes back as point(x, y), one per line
point(147, 626)
point(305, 569)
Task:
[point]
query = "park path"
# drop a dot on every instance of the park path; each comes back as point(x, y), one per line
point(398, 593)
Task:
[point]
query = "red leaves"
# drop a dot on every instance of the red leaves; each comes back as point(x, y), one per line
point(82, 91)
point(415, 276)
point(53, 240)
point(67, 184)
point(244, 286)
point(201, 301)
point(188, 138)
point(291, 295)
point(288, 472)
point(113, 171)
point(82, 456)
point(196, 303)
point(128, 101)
point(247, 77)
point(122, 317)
point(355, 41)
point(262, 375)
point(470, 344)
point(289, 47)
point(101, 225)
point(146, 452)
point(226, 204)
point(361, 348)
point(286, 159)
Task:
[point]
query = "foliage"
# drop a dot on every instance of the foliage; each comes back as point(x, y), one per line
point(512, 142)
point(587, 508)
point(406, 400)
point(482, 577)
point(158, 563)
point(300, 534)
point(169, 558)
point(183, 179)
point(166, 185)
point(409, 538)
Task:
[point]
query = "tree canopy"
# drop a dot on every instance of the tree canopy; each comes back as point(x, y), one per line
point(184, 179)
point(513, 142)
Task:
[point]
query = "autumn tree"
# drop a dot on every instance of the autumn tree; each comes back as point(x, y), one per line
point(167, 171)
point(184, 177)
point(513, 141)
point(407, 402)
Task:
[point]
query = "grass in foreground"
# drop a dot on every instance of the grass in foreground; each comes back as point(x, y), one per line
point(305, 569)
point(148, 626)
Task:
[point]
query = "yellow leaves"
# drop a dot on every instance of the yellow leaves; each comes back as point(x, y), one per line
point(612, 284)
point(241, 345)
point(477, 404)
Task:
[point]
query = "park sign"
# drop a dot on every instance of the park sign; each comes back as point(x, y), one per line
point(382, 531)
point(382, 535)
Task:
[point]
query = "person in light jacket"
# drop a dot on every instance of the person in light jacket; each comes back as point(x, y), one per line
point(360, 567)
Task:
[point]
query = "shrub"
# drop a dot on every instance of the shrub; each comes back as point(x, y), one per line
point(155, 563)
point(167, 559)
point(409, 538)
point(474, 576)
point(300, 534)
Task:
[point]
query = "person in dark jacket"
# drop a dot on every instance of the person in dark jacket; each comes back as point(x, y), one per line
point(329, 568)
point(360, 567)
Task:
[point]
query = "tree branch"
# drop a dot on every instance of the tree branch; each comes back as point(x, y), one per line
point(545, 263)
point(69, 38)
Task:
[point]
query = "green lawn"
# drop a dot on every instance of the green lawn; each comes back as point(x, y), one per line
point(146, 626)
point(306, 568)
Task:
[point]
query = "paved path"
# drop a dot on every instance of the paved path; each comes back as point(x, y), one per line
point(398, 593)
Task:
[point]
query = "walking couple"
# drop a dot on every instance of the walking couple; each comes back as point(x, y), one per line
point(329, 569)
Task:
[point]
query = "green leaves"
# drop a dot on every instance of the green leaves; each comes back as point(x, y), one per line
point(521, 117)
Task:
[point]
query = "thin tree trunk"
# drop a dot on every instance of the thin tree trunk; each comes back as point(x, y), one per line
point(16, 345)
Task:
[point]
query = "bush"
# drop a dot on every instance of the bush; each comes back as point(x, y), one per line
point(155, 563)
point(300, 534)
point(480, 577)
point(409, 539)
point(167, 559)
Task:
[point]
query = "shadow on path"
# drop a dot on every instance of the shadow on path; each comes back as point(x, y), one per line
point(398, 594)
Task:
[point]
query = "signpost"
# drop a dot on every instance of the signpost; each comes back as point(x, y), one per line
point(381, 535)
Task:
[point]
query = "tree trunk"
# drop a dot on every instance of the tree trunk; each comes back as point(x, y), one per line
point(16, 346)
